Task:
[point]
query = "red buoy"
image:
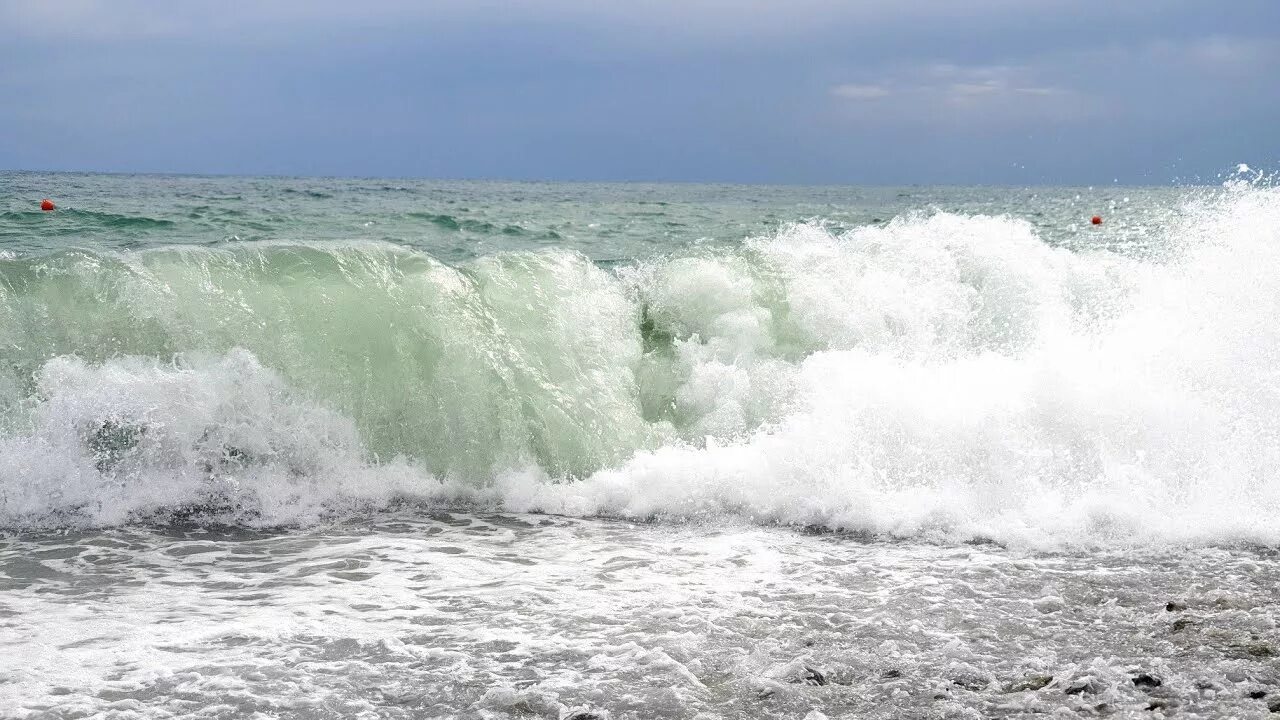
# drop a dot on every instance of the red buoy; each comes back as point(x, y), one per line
point(47, 205)
point(1096, 219)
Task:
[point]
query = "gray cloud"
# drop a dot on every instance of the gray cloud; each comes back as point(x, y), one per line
point(717, 21)
point(853, 91)
point(807, 90)
point(947, 94)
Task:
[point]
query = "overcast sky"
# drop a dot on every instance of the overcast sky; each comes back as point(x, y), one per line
point(786, 91)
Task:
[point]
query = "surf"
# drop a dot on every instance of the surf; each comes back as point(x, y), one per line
point(937, 376)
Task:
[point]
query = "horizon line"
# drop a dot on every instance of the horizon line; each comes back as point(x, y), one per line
point(1174, 183)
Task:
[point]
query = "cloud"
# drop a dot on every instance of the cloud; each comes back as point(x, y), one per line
point(958, 87)
point(850, 91)
point(982, 83)
point(93, 20)
point(653, 23)
point(806, 90)
point(1203, 99)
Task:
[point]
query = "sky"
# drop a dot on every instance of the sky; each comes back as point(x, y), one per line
point(750, 91)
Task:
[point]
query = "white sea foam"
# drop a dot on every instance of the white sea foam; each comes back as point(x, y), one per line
point(135, 436)
point(959, 378)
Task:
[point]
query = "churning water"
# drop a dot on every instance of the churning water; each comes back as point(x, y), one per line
point(322, 448)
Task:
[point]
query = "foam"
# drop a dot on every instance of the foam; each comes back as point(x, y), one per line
point(961, 379)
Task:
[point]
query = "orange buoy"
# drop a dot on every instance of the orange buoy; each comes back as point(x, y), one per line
point(47, 205)
point(1096, 219)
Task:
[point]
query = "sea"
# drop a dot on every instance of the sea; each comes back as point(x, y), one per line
point(382, 448)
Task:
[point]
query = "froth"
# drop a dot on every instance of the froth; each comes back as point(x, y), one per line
point(959, 378)
point(222, 437)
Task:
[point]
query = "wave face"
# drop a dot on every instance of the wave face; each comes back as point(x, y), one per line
point(941, 376)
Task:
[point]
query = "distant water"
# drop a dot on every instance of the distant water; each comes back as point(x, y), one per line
point(390, 448)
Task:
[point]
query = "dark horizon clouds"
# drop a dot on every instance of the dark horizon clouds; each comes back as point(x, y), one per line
point(805, 91)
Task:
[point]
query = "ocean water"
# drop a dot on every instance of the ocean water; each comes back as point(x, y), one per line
point(322, 448)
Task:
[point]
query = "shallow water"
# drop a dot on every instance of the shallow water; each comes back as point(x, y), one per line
point(498, 616)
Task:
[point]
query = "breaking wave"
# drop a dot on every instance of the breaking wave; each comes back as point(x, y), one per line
point(943, 376)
